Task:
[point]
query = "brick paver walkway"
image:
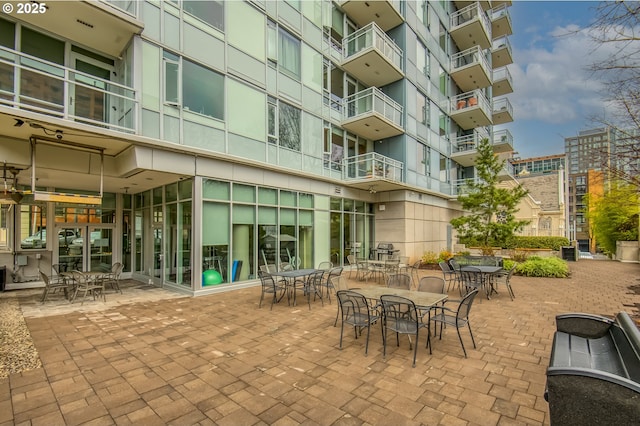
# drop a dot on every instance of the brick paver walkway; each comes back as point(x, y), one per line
point(219, 359)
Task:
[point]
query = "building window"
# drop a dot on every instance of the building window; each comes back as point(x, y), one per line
point(424, 165)
point(211, 12)
point(171, 70)
point(289, 126)
point(422, 107)
point(422, 58)
point(202, 90)
point(289, 54)
point(272, 120)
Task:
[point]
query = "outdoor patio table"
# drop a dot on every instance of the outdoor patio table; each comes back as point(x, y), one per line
point(292, 277)
point(488, 273)
point(422, 299)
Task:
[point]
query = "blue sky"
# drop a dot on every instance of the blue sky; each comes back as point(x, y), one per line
point(554, 94)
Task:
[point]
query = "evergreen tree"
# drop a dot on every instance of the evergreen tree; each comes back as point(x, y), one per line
point(490, 220)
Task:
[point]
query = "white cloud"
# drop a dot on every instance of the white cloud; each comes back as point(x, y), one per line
point(552, 83)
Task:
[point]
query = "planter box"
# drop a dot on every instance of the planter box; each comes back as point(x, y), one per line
point(627, 251)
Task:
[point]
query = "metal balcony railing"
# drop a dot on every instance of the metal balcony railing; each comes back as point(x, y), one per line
point(372, 36)
point(500, 43)
point(470, 13)
point(372, 100)
point(473, 55)
point(34, 84)
point(502, 104)
point(372, 165)
point(469, 100)
point(502, 74)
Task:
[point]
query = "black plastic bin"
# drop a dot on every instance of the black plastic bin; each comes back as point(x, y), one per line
point(3, 277)
point(569, 253)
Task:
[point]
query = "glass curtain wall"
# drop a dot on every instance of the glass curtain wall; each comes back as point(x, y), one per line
point(262, 228)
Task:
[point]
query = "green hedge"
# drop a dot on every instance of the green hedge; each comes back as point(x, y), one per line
point(553, 243)
point(516, 242)
point(551, 267)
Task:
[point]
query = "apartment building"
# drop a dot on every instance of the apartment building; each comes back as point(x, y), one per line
point(180, 137)
point(589, 162)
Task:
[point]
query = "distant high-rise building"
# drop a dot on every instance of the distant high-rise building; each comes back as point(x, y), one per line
point(590, 159)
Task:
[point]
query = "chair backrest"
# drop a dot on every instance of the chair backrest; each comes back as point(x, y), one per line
point(471, 278)
point(353, 305)
point(116, 268)
point(465, 305)
point(432, 285)
point(454, 265)
point(351, 259)
point(266, 279)
point(399, 281)
point(56, 268)
point(404, 261)
point(268, 268)
point(78, 277)
point(400, 313)
point(325, 265)
point(45, 278)
point(512, 270)
point(286, 266)
point(334, 272)
point(444, 266)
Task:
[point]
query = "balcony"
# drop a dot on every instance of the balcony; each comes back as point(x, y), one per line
point(500, 22)
point(501, 55)
point(372, 115)
point(386, 14)
point(465, 151)
point(471, 110)
point(470, 69)
point(485, 4)
point(373, 172)
point(372, 57)
point(498, 3)
point(95, 24)
point(502, 82)
point(502, 141)
point(463, 186)
point(502, 111)
point(507, 172)
point(33, 84)
point(470, 27)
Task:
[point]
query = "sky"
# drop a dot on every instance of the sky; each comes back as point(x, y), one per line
point(554, 95)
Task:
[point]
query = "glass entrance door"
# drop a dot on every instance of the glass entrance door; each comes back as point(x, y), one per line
point(85, 248)
point(158, 258)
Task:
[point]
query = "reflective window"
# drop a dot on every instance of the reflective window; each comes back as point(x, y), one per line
point(211, 12)
point(202, 90)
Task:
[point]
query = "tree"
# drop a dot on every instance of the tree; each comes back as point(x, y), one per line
point(616, 35)
point(491, 219)
point(614, 216)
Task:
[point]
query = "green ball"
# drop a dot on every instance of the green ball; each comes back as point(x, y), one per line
point(211, 277)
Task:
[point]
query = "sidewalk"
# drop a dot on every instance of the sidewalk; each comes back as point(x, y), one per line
point(218, 359)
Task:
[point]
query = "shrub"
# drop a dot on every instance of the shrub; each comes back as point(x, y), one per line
point(429, 257)
point(432, 258)
point(508, 264)
point(551, 267)
point(553, 243)
point(519, 256)
point(444, 255)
